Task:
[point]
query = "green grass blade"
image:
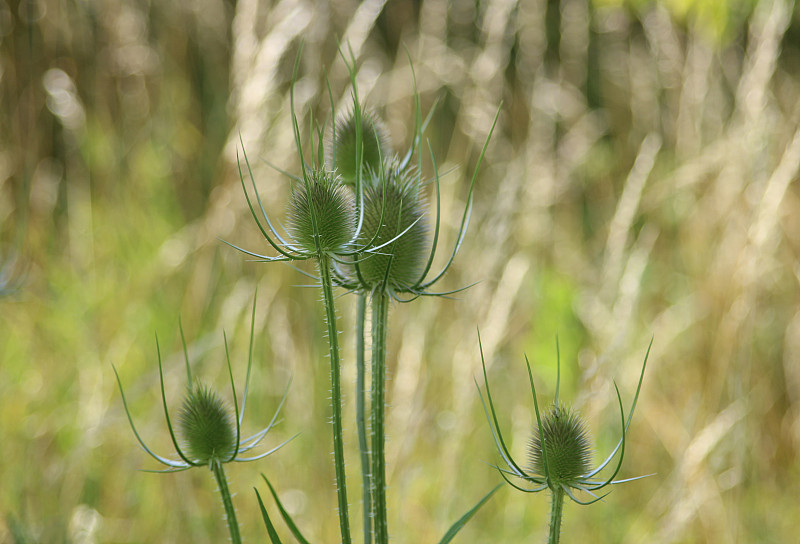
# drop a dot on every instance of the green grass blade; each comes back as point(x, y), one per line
point(456, 527)
point(273, 535)
point(285, 515)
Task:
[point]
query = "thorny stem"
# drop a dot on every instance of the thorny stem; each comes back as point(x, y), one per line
point(227, 503)
point(361, 420)
point(380, 314)
point(336, 396)
point(555, 515)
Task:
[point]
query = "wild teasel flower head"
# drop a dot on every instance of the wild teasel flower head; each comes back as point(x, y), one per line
point(358, 129)
point(563, 464)
point(397, 242)
point(206, 427)
point(393, 210)
point(384, 198)
point(324, 220)
point(567, 446)
point(207, 434)
point(321, 216)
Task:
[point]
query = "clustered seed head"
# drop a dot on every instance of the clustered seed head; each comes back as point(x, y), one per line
point(397, 200)
point(567, 443)
point(321, 211)
point(374, 144)
point(206, 427)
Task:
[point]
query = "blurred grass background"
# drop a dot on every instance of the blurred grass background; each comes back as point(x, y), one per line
point(642, 182)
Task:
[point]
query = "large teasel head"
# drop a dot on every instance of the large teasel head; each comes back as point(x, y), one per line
point(321, 216)
point(567, 448)
point(357, 130)
point(394, 222)
point(206, 426)
point(559, 450)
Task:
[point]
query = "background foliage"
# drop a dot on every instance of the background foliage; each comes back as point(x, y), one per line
point(642, 182)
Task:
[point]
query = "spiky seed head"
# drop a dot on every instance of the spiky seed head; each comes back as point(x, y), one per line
point(206, 426)
point(397, 199)
point(567, 443)
point(321, 210)
point(375, 145)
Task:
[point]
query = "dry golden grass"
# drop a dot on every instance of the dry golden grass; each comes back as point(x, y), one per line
point(642, 183)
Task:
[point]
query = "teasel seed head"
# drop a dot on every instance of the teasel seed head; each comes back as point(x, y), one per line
point(567, 447)
point(397, 200)
point(321, 216)
point(206, 426)
point(374, 141)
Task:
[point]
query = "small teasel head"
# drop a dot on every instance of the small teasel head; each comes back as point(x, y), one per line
point(354, 130)
point(567, 447)
point(321, 216)
point(206, 427)
point(560, 451)
point(394, 223)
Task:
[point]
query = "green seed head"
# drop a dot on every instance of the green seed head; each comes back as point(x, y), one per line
point(206, 427)
point(321, 211)
point(567, 442)
point(398, 201)
point(374, 144)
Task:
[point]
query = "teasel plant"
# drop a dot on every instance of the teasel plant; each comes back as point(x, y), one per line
point(402, 251)
point(381, 248)
point(325, 224)
point(559, 450)
point(208, 433)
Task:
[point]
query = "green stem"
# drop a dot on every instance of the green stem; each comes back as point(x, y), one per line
point(361, 420)
point(380, 316)
point(555, 515)
point(227, 503)
point(336, 397)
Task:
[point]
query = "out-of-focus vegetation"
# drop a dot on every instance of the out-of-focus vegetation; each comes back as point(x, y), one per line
point(643, 181)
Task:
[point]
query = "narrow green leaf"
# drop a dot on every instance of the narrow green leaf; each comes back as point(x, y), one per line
point(273, 535)
point(285, 515)
point(456, 527)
